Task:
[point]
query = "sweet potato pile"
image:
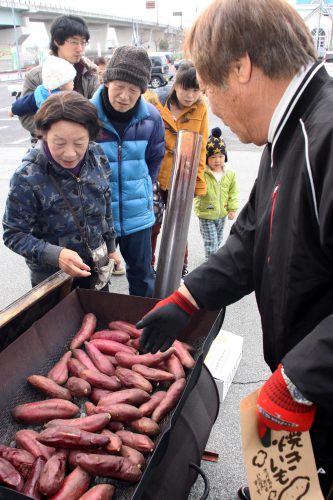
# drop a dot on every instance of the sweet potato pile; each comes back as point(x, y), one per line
point(125, 395)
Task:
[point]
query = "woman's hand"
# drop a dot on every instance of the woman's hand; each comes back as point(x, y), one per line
point(71, 263)
point(231, 215)
point(116, 257)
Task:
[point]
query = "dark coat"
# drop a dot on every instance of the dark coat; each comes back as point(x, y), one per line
point(281, 245)
point(37, 221)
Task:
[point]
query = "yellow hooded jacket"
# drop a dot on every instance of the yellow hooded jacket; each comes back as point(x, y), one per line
point(194, 119)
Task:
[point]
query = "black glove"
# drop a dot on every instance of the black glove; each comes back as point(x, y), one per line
point(165, 322)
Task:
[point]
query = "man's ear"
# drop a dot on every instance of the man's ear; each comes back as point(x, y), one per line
point(243, 68)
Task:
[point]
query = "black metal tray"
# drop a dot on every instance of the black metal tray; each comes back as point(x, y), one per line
point(38, 348)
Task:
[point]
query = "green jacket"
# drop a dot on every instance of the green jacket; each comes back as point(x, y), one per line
point(221, 197)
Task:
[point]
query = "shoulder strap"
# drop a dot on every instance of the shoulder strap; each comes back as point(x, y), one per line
point(77, 223)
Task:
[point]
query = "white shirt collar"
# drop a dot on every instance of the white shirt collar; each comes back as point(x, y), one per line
point(285, 100)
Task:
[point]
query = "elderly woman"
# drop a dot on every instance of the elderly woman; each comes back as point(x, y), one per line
point(58, 211)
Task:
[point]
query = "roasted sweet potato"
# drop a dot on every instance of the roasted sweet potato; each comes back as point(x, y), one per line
point(49, 387)
point(31, 486)
point(175, 367)
point(127, 360)
point(135, 343)
point(116, 335)
point(128, 378)
point(92, 423)
point(147, 408)
point(153, 374)
point(59, 373)
point(53, 473)
point(139, 442)
point(183, 354)
point(88, 326)
point(135, 456)
point(129, 328)
point(40, 412)
point(74, 485)
point(9, 476)
point(171, 399)
point(26, 439)
point(115, 426)
point(111, 347)
point(109, 466)
point(75, 367)
point(78, 387)
point(131, 396)
point(114, 444)
point(98, 379)
point(97, 394)
point(99, 492)
point(22, 460)
point(120, 412)
point(64, 436)
point(83, 357)
point(145, 425)
point(102, 362)
point(90, 408)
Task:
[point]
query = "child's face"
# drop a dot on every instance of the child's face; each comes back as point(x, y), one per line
point(216, 162)
point(67, 86)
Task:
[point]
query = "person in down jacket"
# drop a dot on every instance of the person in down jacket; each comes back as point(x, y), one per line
point(132, 137)
point(39, 223)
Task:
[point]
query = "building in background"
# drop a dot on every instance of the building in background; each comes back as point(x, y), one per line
point(318, 15)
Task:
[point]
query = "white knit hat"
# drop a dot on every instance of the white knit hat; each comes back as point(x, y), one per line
point(56, 72)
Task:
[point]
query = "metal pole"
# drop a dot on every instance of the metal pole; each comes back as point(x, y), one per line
point(178, 213)
point(16, 43)
point(318, 27)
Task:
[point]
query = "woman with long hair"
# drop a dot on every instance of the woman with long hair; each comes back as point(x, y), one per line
point(184, 109)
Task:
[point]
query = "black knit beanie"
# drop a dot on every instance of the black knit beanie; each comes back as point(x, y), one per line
point(131, 65)
point(215, 144)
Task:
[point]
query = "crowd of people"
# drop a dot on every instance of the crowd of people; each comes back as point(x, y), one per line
point(132, 149)
point(90, 182)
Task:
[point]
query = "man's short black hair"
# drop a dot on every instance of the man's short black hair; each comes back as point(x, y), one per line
point(64, 27)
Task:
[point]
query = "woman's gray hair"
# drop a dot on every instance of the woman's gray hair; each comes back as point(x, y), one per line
point(271, 32)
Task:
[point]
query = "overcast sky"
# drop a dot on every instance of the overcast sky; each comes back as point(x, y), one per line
point(137, 9)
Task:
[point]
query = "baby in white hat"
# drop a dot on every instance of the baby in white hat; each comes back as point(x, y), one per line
point(57, 75)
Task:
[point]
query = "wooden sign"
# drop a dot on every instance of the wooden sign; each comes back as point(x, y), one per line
point(284, 470)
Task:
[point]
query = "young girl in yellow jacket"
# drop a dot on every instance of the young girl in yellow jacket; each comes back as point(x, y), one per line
point(184, 109)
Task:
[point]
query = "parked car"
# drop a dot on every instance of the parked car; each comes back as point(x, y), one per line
point(177, 64)
point(160, 70)
point(328, 60)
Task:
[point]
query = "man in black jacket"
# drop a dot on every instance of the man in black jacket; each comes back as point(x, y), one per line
point(257, 64)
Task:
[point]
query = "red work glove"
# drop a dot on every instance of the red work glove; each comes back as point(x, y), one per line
point(276, 409)
point(165, 322)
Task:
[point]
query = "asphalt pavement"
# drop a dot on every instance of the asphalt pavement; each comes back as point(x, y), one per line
point(241, 318)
